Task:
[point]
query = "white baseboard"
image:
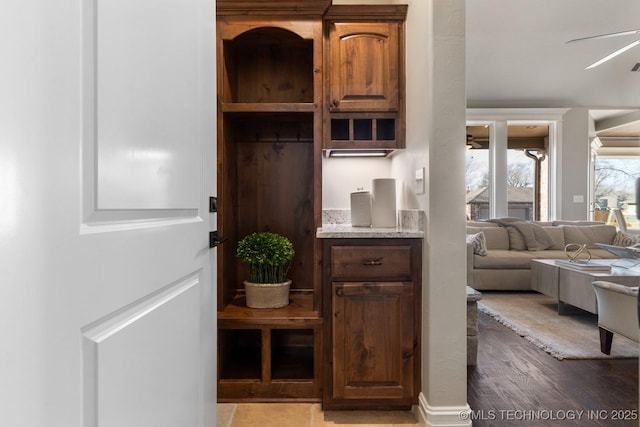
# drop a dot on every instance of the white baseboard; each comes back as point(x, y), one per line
point(442, 416)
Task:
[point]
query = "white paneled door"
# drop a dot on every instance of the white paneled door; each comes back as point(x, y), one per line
point(107, 162)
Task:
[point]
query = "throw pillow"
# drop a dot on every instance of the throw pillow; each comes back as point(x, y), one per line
point(626, 239)
point(478, 243)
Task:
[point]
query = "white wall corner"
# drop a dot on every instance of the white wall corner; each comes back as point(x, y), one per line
point(442, 416)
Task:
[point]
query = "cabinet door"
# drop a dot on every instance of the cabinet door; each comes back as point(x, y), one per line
point(363, 66)
point(373, 340)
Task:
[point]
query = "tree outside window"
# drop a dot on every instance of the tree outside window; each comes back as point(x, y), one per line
point(614, 180)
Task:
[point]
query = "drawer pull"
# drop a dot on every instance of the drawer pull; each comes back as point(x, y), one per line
point(375, 261)
point(339, 292)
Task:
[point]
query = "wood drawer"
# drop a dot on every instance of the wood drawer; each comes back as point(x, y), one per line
point(373, 262)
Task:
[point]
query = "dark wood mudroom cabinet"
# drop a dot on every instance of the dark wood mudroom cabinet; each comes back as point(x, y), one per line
point(272, 74)
point(269, 74)
point(372, 303)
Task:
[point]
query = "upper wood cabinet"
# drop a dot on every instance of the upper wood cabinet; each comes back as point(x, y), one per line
point(364, 76)
point(363, 66)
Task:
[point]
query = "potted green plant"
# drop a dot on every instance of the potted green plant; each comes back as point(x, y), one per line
point(269, 257)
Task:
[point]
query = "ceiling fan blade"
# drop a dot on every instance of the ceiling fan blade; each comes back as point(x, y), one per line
point(613, 54)
point(604, 36)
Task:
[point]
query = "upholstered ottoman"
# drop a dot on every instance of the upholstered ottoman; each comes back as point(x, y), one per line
point(473, 297)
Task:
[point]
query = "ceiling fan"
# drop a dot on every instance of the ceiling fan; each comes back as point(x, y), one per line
point(471, 142)
point(612, 54)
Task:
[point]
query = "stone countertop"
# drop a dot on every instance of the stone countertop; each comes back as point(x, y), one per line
point(346, 231)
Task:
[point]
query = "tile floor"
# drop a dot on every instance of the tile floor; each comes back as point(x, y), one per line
point(307, 415)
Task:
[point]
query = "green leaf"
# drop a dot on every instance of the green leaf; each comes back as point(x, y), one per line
point(268, 254)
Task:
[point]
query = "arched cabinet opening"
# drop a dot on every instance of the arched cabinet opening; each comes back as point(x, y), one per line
point(268, 65)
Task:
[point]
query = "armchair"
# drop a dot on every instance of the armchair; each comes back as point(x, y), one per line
point(617, 312)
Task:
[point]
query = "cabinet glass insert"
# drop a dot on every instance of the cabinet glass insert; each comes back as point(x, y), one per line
point(363, 129)
point(340, 129)
point(385, 129)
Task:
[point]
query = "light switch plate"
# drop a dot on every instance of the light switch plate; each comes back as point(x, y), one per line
point(419, 183)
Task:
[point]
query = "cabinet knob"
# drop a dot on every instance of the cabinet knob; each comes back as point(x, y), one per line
point(335, 102)
point(375, 261)
point(339, 292)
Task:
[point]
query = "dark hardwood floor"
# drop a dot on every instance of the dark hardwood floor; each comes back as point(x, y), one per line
point(516, 383)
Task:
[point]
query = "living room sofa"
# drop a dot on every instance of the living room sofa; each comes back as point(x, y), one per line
point(498, 257)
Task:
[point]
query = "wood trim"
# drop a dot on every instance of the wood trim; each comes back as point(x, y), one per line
point(318, 133)
point(271, 7)
point(232, 26)
point(267, 107)
point(386, 12)
point(401, 130)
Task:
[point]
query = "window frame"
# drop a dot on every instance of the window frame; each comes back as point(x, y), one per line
point(498, 121)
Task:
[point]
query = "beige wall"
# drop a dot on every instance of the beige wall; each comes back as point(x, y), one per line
point(343, 176)
point(437, 33)
point(573, 165)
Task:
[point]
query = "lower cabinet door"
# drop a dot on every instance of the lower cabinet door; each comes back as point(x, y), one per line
point(374, 341)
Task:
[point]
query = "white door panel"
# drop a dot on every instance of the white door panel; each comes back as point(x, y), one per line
point(142, 63)
point(145, 358)
point(107, 160)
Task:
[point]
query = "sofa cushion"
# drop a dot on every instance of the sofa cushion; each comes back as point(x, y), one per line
point(516, 240)
point(601, 253)
point(478, 243)
point(626, 239)
point(534, 236)
point(504, 259)
point(517, 243)
point(589, 234)
point(557, 235)
point(550, 254)
point(496, 237)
